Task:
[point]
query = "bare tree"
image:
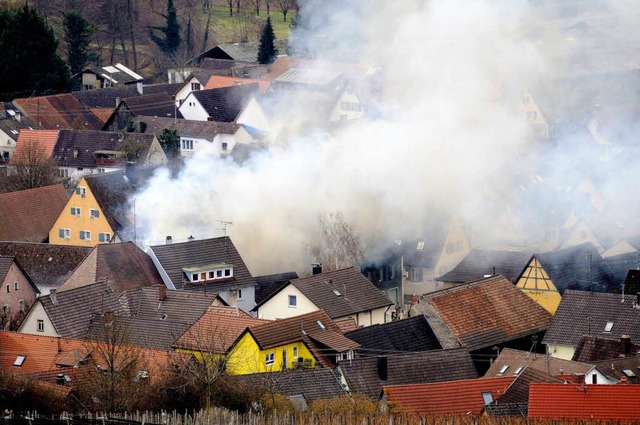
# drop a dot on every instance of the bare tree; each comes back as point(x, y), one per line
point(256, 6)
point(31, 167)
point(339, 246)
point(284, 6)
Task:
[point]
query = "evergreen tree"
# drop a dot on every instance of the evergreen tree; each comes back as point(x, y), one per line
point(267, 51)
point(77, 35)
point(170, 142)
point(171, 40)
point(29, 64)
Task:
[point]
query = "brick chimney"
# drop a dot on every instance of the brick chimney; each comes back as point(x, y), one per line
point(316, 269)
point(162, 293)
point(625, 345)
point(53, 296)
point(578, 378)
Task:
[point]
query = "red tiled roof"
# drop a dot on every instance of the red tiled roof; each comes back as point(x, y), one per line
point(445, 398)
point(58, 112)
point(488, 312)
point(44, 205)
point(346, 324)
point(46, 139)
point(571, 401)
point(218, 81)
point(217, 329)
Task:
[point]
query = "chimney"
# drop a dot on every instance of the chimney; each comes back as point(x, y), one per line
point(60, 379)
point(191, 238)
point(75, 152)
point(625, 345)
point(53, 297)
point(382, 368)
point(169, 240)
point(117, 101)
point(162, 293)
point(316, 269)
point(578, 378)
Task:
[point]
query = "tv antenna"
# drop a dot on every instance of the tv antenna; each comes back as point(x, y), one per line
point(224, 225)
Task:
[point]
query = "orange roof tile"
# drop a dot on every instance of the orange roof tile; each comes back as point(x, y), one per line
point(103, 114)
point(44, 205)
point(218, 81)
point(225, 323)
point(445, 398)
point(571, 401)
point(58, 111)
point(44, 139)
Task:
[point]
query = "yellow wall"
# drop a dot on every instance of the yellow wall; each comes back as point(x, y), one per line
point(535, 282)
point(84, 221)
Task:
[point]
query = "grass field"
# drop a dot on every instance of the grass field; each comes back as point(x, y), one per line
point(247, 26)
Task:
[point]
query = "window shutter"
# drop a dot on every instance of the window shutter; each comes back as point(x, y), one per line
point(96, 213)
point(61, 233)
point(78, 190)
point(73, 211)
point(82, 234)
point(101, 237)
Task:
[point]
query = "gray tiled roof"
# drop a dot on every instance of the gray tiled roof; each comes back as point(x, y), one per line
point(105, 97)
point(356, 293)
point(75, 148)
point(47, 265)
point(362, 374)
point(412, 334)
point(12, 127)
point(596, 348)
point(176, 256)
point(111, 192)
point(482, 262)
point(587, 313)
point(178, 306)
point(518, 359)
point(73, 311)
point(5, 265)
point(225, 103)
point(268, 284)
point(150, 105)
point(312, 384)
point(186, 128)
point(144, 332)
point(247, 52)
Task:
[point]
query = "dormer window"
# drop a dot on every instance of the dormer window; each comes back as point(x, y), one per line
point(209, 272)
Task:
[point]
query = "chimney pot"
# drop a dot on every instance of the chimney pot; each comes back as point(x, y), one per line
point(191, 238)
point(53, 296)
point(162, 293)
point(169, 240)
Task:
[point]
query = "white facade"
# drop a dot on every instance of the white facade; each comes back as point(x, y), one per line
point(37, 322)
point(561, 351)
point(347, 108)
point(7, 144)
point(278, 306)
point(192, 84)
point(191, 109)
point(595, 377)
point(222, 143)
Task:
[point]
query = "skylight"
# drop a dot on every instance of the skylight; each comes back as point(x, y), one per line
point(320, 324)
point(629, 373)
point(487, 398)
point(518, 370)
point(336, 292)
point(420, 245)
point(504, 368)
point(608, 327)
point(19, 361)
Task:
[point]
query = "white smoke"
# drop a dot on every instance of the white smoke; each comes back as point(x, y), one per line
point(450, 141)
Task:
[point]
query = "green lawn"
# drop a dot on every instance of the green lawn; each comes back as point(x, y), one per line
point(246, 26)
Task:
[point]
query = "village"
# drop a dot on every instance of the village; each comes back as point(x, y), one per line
point(128, 283)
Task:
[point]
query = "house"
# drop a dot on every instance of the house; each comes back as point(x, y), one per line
point(341, 293)
point(197, 136)
point(150, 105)
point(548, 275)
point(29, 354)
point(512, 362)
point(34, 143)
point(56, 112)
point(268, 284)
point(487, 314)
point(454, 249)
point(222, 104)
point(81, 153)
point(108, 76)
point(480, 263)
point(407, 335)
point(453, 398)
point(207, 79)
point(623, 370)
point(368, 374)
point(584, 402)
point(46, 265)
point(630, 245)
point(515, 400)
point(208, 265)
point(97, 212)
point(308, 340)
point(17, 293)
point(44, 205)
point(301, 386)
point(243, 52)
point(9, 131)
point(123, 265)
point(591, 313)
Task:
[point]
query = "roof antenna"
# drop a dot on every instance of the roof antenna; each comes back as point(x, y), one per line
point(589, 254)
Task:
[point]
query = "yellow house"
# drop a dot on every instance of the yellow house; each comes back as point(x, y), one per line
point(95, 212)
point(309, 340)
point(536, 283)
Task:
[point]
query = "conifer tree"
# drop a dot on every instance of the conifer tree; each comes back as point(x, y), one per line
point(77, 35)
point(171, 40)
point(267, 51)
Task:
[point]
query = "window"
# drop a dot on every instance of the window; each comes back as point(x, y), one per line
point(320, 324)
point(594, 379)
point(75, 211)
point(195, 86)
point(142, 374)
point(8, 289)
point(487, 398)
point(271, 358)
point(415, 274)
point(608, 327)
point(518, 370)
point(64, 233)
point(82, 191)
point(292, 300)
point(19, 361)
point(5, 310)
point(40, 325)
point(239, 294)
point(225, 146)
point(420, 245)
point(21, 306)
point(63, 172)
point(85, 235)
point(212, 275)
point(94, 213)
point(503, 369)
point(187, 144)
point(194, 277)
point(295, 352)
point(15, 286)
point(227, 272)
point(532, 116)
point(104, 237)
point(336, 292)
point(219, 273)
point(629, 373)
